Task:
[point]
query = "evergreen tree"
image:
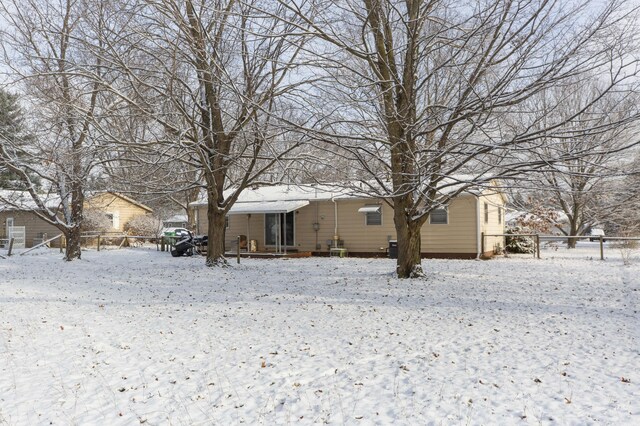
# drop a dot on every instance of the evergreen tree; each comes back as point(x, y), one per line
point(13, 138)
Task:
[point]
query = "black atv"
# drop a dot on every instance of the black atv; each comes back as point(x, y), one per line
point(184, 245)
point(187, 244)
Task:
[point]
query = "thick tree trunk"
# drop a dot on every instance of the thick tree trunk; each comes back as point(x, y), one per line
point(216, 235)
point(73, 249)
point(409, 264)
point(573, 230)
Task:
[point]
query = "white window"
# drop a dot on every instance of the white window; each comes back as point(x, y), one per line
point(9, 224)
point(439, 217)
point(486, 213)
point(372, 214)
point(114, 218)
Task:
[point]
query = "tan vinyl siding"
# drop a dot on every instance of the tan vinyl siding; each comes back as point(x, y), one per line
point(111, 203)
point(492, 227)
point(357, 235)
point(32, 223)
point(202, 224)
point(459, 234)
point(321, 212)
point(251, 226)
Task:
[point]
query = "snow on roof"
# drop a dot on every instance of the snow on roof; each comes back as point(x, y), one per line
point(22, 200)
point(177, 218)
point(355, 189)
point(288, 193)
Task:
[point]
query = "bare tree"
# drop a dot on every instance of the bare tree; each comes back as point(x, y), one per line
point(419, 91)
point(622, 198)
point(43, 47)
point(589, 158)
point(214, 77)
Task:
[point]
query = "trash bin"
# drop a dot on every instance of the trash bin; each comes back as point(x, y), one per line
point(393, 249)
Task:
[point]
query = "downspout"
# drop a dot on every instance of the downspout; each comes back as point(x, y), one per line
point(197, 218)
point(478, 229)
point(336, 237)
point(316, 225)
point(248, 231)
point(279, 235)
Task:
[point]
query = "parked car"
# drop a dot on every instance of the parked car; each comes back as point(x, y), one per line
point(595, 234)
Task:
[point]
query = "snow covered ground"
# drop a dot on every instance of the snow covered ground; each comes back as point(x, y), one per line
point(134, 336)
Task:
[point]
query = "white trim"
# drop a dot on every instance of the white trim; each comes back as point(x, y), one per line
point(267, 207)
point(370, 209)
point(478, 229)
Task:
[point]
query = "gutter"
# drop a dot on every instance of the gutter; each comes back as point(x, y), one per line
point(478, 229)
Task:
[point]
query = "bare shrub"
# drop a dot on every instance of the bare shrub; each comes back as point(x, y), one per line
point(145, 225)
point(627, 247)
point(96, 220)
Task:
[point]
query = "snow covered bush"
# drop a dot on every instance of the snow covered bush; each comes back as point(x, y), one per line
point(516, 244)
point(96, 221)
point(145, 225)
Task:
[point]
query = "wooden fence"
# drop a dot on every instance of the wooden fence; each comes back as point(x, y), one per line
point(539, 239)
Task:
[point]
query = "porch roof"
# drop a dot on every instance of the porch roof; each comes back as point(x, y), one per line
point(259, 207)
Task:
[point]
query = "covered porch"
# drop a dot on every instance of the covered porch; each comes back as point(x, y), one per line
point(263, 228)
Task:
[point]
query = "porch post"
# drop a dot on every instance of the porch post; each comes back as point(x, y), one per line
point(285, 232)
point(248, 229)
point(278, 235)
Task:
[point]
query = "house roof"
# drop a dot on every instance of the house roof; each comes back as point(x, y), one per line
point(286, 193)
point(124, 197)
point(353, 190)
point(177, 218)
point(22, 200)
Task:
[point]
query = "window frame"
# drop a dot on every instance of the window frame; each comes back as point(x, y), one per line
point(283, 229)
point(486, 212)
point(446, 222)
point(366, 215)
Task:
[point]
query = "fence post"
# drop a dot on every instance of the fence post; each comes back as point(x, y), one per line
point(601, 248)
point(538, 245)
point(238, 252)
point(482, 244)
point(98, 242)
point(10, 246)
